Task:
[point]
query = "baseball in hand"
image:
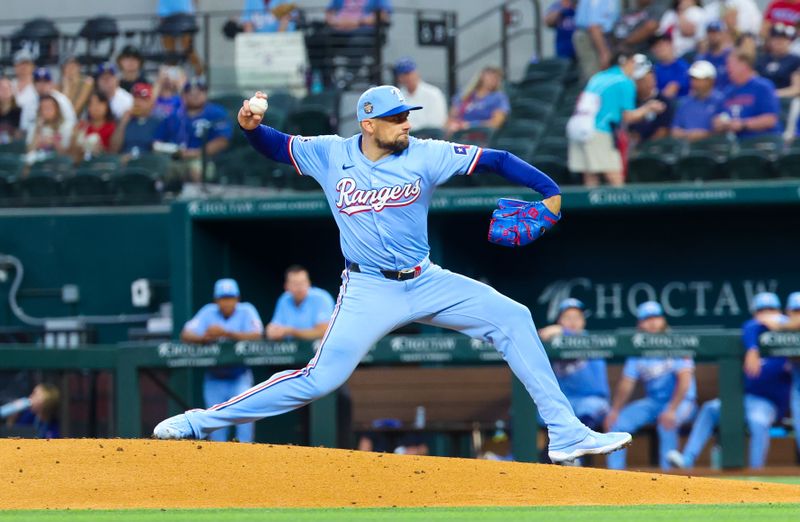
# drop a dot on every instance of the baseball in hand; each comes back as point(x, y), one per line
point(258, 105)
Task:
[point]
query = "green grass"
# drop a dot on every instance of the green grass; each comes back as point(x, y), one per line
point(779, 480)
point(720, 513)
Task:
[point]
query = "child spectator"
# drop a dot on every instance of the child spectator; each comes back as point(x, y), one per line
point(52, 133)
point(92, 136)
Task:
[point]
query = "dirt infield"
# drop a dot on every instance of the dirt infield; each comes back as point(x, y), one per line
point(117, 473)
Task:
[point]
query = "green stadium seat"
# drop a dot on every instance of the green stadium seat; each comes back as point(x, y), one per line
point(155, 162)
point(309, 122)
point(40, 188)
point(274, 119)
point(555, 146)
point(553, 66)
point(230, 102)
point(11, 164)
point(281, 101)
point(14, 147)
point(6, 189)
point(787, 165)
point(480, 136)
point(57, 165)
point(770, 146)
point(668, 149)
point(521, 147)
point(650, 168)
point(556, 168)
point(469, 181)
point(748, 165)
point(136, 186)
point(87, 187)
point(303, 183)
point(698, 166)
point(109, 163)
point(545, 92)
point(428, 133)
point(718, 146)
point(327, 99)
point(517, 128)
point(531, 109)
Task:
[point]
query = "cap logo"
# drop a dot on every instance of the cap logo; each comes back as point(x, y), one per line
point(397, 93)
point(368, 108)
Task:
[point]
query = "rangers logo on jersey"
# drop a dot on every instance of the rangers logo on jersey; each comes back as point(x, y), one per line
point(353, 200)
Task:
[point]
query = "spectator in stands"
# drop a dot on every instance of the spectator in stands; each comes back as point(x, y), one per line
point(24, 91)
point(656, 125)
point(167, 91)
point(136, 130)
point(130, 63)
point(670, 392)
point(175, 13)
point(302, 311)
point(41, 414)
point(268, 16)
point(750, 106)
point(198, 125)
point(718, 47)
point(108, 84)
point(226, 319)
point(52, 132)
point(607, 102)
point(786, 12)
point(9, 113)
point(593, 24)
point(482, 104)
point(695, 112)
point(777, 64)
point(636, 27)
point(686, 23)
point(44, 85)
point(74, 84)
point(738, 16)
point(419, 92)
point(672, 74)
point(354, 16)
point(583, 381)
point(766, 398)
point(561, 17)
point(92, 135)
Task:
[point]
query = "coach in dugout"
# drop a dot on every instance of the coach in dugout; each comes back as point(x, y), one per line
point(226, 319)
point(302, 311)
point(670, 392)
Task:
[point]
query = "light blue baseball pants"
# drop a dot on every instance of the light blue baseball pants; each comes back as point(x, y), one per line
point(758, 412)
point(646, 411)
point(369, 307)
point(216, 390)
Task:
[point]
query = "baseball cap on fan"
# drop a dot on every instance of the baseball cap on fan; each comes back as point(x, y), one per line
point(793, 302)
point(570, 302)
point(766, 301)
point(649, 309)
point(381, 101)
point(226, 288)
point(703, 70)
point(641, 66)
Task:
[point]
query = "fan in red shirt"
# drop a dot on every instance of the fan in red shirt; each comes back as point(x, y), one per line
point(92, 136)
point(785, 12)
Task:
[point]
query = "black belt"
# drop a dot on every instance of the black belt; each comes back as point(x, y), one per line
point(394, 275)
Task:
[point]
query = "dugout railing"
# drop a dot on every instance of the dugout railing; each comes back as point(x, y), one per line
point(721, 347)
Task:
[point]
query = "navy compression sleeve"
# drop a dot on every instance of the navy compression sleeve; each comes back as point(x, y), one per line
point(514, 169)
point(270, 142)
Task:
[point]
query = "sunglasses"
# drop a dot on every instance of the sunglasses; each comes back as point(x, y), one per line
point(396, 118)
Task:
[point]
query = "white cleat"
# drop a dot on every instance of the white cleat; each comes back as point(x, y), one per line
point(675, 458)
point(593, 444)
point(176, 427)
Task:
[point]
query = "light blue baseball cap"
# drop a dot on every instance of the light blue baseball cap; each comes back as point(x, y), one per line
point(384, 100)
point(649, 309)
point(793, 302)
point(226, 288)
point(765, 300)
point(571, 302)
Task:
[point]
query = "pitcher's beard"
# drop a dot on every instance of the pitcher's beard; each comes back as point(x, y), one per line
point(396, 146)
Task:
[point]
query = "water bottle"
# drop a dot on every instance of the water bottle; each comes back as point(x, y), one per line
point(419, 418)
point(316, 82)
point(716, 457)
point(15, 406)
point(135, 152)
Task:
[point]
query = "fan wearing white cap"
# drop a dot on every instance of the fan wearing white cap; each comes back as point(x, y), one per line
point(695, 112)
point(657, 124)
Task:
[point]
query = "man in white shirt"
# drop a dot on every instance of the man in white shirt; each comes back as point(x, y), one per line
point(120, 100)
point(742, 15)
point(419, 92)
point(24, 92)
point(43, 85)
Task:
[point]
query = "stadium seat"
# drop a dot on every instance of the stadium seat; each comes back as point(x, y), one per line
point(650, 168)
point(14, 147)
point(86, 187)
point(109, 163)
point(303, 183)
point(769, 146)
point(521, 147)
point(40, 188)
point(6, 189)
point(517, 128)
point(327, 99)
point(545, 92)
point(11, 164)
point(719, 147)
point(100, 36)
point(471, 181)
point(748, 165)
point(531, 109)
point(281, 101)
point(480, 136)
point(155, 162)
point(57, 165)
point(556, 168)
point(309, 122)
point(668, 149)
point(698, 166)
point(136, 186)
point(428, 133)
point(787, 165)
point(551, 146)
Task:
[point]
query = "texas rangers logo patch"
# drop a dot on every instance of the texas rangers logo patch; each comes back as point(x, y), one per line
point(461, 149)
point(353, 200)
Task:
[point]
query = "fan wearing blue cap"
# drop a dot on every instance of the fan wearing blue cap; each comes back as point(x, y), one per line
point(419, 92)
point(45, 86)
point(583, 381)
point(718, 47)
point(670, 392)
point(379, 185)
point(226, 319)
point(766, 387)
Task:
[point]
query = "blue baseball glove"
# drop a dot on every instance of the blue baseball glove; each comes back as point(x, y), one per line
point(518, 223)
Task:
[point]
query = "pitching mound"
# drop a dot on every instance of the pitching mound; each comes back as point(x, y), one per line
point(117, 473)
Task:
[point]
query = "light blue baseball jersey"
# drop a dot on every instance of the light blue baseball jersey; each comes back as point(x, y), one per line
point(582, 377)
point(244, 319)
point(660, 376)
point(316, 308)
point(359, 190)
